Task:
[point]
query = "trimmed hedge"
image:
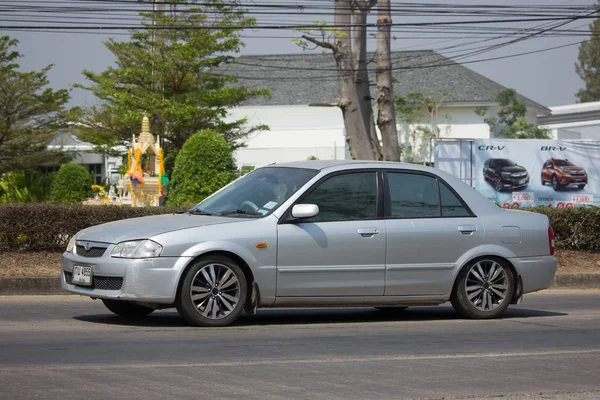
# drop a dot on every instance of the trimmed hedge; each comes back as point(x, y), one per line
point(574, 228)
point(38, 226)
point(41, 226)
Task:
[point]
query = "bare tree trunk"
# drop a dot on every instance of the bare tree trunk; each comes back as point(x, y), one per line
point(386, 117)
point(360, 11)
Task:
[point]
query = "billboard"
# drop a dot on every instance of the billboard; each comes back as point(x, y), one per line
point(527, 172)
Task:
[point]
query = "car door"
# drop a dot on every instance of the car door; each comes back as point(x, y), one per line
point(341, 251)
point(430, 229)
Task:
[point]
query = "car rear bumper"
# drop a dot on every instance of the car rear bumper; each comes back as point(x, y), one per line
point(145, 280)
point(537, 273)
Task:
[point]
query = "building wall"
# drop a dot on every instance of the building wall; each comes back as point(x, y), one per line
point(299, 132)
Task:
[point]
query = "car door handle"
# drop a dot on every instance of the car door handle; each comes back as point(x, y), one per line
point(368, 232)
point(467, 229)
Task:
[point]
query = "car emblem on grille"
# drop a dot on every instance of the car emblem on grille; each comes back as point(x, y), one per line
point(87, 247)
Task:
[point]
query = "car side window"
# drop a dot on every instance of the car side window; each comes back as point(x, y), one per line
point(413, 195)
point(452, 206)
point(345, 197)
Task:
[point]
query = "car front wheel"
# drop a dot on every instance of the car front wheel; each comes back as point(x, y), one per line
point(581, 186)
point(127, 309)
point(555, 184)
point(484, 289)
point(213, 292)
point(498, 184)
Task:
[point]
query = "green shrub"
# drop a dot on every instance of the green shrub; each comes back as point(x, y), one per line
point(574, 228)
point(72, 184)
point(37, 226)
point(203, 165)
point(25, 187)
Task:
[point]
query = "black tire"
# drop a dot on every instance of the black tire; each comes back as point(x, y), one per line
point(465, 307)
point(555, 184)
point(581, 186)
point(192, 313)
point(498, 184)
point(127, 309)
point(391, 309)
point(543, 180)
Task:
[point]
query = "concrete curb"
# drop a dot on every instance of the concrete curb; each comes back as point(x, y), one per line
point(45, 285)
point(28, 286)
point(577, 281)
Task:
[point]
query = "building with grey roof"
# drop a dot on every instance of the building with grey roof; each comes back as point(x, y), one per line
point(301, 82)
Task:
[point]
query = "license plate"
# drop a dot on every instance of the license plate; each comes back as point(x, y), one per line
point(522, 181)
point(82, 275)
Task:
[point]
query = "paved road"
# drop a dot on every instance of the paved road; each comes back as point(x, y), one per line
point(72, 348)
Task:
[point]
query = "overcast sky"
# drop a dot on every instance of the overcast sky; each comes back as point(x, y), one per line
point(546, 77)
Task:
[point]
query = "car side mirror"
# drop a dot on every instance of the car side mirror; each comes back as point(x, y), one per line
point(305, 210)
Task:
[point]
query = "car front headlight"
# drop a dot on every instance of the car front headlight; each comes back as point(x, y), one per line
point(137, 249)
point(71, 244)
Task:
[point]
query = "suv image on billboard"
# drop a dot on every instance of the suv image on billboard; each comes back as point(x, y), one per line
point(505, 174)
point(563, 173)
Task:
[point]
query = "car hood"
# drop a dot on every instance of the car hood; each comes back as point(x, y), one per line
point(146, 227)
point(516, 168)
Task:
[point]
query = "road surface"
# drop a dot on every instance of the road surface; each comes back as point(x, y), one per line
point(70, 347)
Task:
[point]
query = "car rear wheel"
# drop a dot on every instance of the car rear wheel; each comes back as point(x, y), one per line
point(127, 309)
point(213, 292)
point(484, 289)
point(555, 184)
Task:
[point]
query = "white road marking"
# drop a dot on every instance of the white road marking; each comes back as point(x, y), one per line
point(333, 360)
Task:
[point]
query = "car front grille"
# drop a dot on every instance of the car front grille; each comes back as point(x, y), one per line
point(100, 282)
point(92, 252)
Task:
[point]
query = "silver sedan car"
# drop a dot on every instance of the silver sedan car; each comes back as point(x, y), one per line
point(318, 234)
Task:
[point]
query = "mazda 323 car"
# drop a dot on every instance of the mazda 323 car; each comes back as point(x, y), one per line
point(318, 233)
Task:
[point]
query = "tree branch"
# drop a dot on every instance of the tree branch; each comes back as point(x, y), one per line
point(320, 43)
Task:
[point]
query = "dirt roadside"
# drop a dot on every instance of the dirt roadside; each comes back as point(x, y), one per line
point(17, 264)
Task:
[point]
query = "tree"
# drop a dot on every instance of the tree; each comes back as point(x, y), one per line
point(386, 115)
point(420, 114)
point(72, 184)
point(510, 122)
point(203, 166)
point(347, 42)
point(168, 71)
point(30, 114)
point(588, 67)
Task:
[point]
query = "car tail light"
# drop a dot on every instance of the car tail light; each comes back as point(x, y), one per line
point(551, 239)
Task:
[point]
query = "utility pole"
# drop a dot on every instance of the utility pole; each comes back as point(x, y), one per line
point(386, 115)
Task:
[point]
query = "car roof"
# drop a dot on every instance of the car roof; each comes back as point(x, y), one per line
point(343, 164)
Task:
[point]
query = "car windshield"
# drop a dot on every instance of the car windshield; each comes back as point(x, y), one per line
point(258, 193)
point(563, 163)
point(501, 162)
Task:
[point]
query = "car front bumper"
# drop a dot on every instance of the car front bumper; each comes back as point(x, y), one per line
point(573, 180)
point(514, 183)
point(152, 280)
point(537, 273)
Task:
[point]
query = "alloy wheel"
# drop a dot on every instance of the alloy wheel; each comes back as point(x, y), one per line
point(555, 182)
point(215, 291)
point(487, 285)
